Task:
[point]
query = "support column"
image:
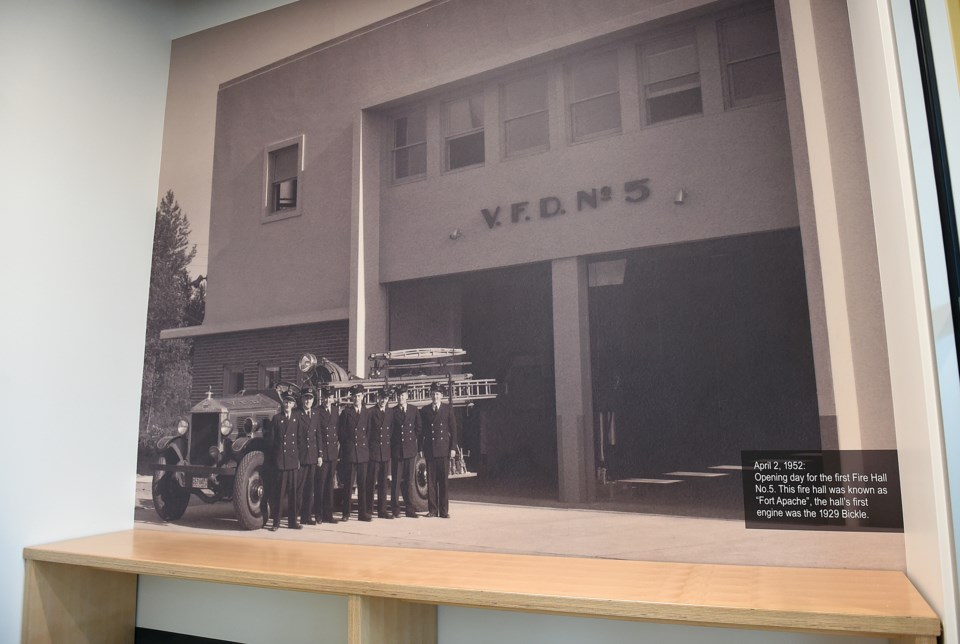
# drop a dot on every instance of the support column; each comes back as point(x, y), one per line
point(826, 403)
point(574, 390)
point(368, 298)
point(378, 620)
point(839, 193)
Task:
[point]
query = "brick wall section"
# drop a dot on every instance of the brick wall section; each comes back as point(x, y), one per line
point(251, 349)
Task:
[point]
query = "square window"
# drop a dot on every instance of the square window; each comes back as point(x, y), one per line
point(464, 151)
point(270, 376)
point(463, 132)
point(284, 169)
point(670, 69)
point(594, 96)
point(526, 126)
point(750, 52)
point(756, 78)
point(232, 380)
point(595, 116)
point(525, 134)
point(409, 148)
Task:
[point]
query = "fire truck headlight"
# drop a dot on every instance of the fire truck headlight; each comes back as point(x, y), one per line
point(307, 362)
point(226, 427)
point(182, 427)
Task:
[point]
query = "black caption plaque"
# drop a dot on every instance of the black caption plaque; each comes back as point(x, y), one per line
point(856, 490)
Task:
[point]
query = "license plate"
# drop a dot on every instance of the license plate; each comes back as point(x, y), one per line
point(199, 482)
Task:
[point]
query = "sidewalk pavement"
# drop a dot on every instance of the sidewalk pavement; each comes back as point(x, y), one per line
point(486, 527)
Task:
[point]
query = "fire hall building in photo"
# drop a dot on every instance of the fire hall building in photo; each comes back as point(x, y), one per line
point(648, 220)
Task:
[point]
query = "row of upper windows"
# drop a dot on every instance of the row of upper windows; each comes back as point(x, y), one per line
point(234, 379)
point(670, 88)
point(269, 376)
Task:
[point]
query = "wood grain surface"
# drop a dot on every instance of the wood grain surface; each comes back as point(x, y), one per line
point(865, 602)
point(67, 603)
point(372, 620)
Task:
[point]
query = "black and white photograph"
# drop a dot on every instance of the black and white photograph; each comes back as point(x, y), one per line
point(519, 277)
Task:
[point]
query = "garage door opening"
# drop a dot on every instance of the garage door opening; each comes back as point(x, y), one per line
point(698, 351)
point(503, 318)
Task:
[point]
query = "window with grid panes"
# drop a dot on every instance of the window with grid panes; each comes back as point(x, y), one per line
point(284, 169)
point(409, 149)
point(524, 112)
point(750, 52)
point(462, 123)
point(594, 96)
point(670, 74)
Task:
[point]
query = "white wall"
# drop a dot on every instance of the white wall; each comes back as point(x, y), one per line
point(938, 290)
point(82, 90)
point(300, 617)
point(82, 93)
point(192, 16)
point(898, 157)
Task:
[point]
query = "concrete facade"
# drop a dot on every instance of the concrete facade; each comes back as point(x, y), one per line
point(380, 249)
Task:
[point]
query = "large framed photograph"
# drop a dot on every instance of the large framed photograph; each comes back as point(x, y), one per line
point(591, 279)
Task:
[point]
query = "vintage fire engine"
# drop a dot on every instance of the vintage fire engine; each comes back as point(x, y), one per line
point(218, 454)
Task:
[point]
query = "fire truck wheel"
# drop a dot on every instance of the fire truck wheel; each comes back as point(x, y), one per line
point(170, 495)
point(418, 489)
point(249, 500)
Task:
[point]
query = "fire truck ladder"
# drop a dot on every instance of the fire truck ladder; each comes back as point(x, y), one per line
point(465, 389)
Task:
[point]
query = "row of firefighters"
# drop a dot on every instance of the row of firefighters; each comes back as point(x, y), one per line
point(304, 444)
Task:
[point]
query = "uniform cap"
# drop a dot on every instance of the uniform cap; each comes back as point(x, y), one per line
point(289, 391)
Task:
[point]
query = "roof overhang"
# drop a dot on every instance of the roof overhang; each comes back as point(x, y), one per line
point(329, 315)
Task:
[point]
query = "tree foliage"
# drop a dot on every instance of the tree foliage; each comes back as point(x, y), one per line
point(196, 307)
point(173, 302)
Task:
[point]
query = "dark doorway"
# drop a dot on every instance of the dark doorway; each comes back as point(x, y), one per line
point(703, 350)
point(503, 318)
point(508, 334)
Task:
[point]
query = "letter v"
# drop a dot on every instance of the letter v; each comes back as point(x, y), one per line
point(491, 217)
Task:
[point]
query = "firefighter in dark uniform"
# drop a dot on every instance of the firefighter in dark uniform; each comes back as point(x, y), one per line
point(404, 439)
point(439, 446)
point(309, 454)
point(285, 459)
point(329, 453)
point(352, 430)
point(379, 441)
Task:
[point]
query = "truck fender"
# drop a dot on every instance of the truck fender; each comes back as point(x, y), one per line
point(176, 443)
point(246, 444)
point(240, 444)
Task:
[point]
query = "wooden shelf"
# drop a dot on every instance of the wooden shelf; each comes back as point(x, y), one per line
point(399, 588)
